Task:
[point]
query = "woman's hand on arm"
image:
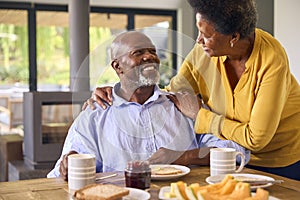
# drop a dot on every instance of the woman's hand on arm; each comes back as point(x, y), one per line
point(101, 95)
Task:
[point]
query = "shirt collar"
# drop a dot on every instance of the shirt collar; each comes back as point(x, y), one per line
point(118, 101)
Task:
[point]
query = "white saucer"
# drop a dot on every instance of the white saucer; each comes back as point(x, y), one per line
point(240, 177)
point(136, 194)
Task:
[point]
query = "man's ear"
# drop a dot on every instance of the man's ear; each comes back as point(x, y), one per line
point(115, 65)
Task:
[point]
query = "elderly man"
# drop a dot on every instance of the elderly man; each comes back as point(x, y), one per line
point(141, 123)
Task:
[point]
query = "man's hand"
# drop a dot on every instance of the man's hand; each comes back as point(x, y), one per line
point(198, 156)
point(167, 156)
point(187, 103)
point(63, 168)
point(101, 95)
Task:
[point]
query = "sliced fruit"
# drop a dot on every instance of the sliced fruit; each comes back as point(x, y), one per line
point(241, 191)
point(260, 194)
point(192, 190)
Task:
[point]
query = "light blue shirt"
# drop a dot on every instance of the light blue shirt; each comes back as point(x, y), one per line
point(129, 131)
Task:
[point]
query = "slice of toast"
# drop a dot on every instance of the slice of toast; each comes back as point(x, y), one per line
point(101, 192)
point(166, 171)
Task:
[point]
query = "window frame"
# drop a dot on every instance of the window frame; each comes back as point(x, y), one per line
point(33, 8)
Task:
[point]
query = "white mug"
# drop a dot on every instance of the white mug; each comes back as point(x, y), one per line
point(81, 171)
point(223, 161)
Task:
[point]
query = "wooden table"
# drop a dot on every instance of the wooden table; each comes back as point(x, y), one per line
point(56, 188)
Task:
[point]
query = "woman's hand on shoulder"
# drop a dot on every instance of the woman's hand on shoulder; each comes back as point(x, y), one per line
point(101, 95)
point(187, 103)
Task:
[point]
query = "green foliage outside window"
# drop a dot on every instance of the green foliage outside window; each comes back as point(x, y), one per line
point(53, 65)
point(13, 54)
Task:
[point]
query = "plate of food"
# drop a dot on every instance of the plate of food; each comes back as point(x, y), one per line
point(165, 191)
point(166, 172)
point(110, 191)
point(255, 180)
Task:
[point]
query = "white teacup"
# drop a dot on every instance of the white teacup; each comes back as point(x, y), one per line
point(77, 183)
point(81, 160)
point(81, 174)
point(81, 170)
point(223, 161)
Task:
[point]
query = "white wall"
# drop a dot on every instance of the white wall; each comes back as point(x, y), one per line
point(287, 30)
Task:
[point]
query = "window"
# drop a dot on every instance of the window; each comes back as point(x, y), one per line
point(158, 28)
point(34, 46)
point(52, 50)
point(109, 22)
point(13, 67)
point(13, 49)
point(45, 66)
point(102, 28)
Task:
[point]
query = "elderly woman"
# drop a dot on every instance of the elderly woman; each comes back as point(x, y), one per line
point(243, 76)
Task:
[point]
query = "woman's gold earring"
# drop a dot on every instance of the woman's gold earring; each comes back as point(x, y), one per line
point(231, 44)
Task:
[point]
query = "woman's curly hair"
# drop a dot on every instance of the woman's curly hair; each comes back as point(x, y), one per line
point(228, 16)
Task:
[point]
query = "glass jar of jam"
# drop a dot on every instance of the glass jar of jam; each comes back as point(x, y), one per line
point(138, 174)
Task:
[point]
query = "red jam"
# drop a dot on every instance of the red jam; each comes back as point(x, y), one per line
point(138, 174)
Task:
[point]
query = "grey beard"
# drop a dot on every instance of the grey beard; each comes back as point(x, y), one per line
point(129, 86)
point(143, 80)
point(146, 81)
